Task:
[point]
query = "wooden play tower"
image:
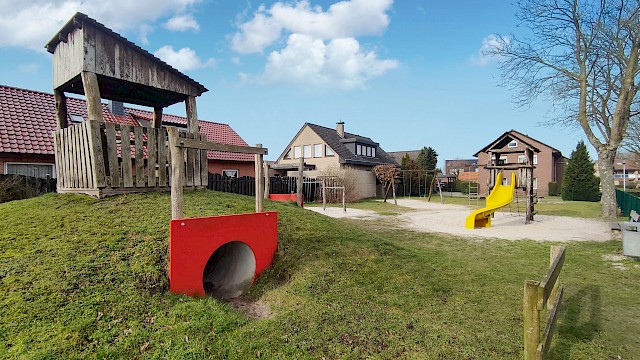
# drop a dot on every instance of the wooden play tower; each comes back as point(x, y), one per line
point(524, 169)
point(101, 158)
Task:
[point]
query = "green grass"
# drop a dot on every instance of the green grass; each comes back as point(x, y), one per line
point(85, 278)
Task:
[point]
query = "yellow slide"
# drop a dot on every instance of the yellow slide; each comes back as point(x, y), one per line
point(500, 196)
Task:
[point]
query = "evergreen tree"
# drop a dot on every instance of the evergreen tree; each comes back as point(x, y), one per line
point(406, 162)
point(427, 159)
point(580, 181)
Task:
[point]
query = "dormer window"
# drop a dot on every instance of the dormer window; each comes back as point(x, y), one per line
point(76, 118)
point(513, 144)
point(364, 150)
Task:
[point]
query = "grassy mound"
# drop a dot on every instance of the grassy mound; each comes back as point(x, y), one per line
point(86, 278)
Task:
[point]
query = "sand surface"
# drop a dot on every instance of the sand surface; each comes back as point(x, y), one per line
point(450, 219)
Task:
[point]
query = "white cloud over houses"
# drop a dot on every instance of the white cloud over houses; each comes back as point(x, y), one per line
point(321, 47)
point(32, 23)
point(182, 23)
point(489, 44)
point(339, 62)
point(184, 59)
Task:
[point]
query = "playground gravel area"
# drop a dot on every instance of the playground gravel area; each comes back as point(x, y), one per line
point(450, 219)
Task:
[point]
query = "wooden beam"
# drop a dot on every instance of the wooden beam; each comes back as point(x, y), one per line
point(531, 315)
point(177, 175)
point(92, 94)
point(259, 182)
point(192, 115)
point(157, 117)
point(61, 109)
point(267, 180)
point(549, 281)
point(207, 145)
point(529, 170)
point(300, 180)
point(549, 329)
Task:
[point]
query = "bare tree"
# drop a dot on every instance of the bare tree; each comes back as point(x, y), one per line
point(584, 56)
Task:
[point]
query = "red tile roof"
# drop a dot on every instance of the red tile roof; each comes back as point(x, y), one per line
point(28, 118)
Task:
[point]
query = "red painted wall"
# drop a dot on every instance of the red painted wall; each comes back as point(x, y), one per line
point(245, 168)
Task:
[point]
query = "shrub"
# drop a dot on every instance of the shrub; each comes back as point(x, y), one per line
point(553, 188)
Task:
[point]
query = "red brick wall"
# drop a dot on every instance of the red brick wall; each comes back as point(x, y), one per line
point(245, 168)
point(24, 158)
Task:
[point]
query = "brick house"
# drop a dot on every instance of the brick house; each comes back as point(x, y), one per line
point(509, 149)
point(324, 149)
point(28, 118)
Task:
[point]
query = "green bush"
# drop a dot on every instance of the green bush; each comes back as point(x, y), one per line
point(462, 186)
point(553, 188)
point(580, 182)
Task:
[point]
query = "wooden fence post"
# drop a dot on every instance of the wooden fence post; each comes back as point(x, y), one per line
point(300, 179)
point(177, 175)
point(267, 181)
point(531, 320)
point(553, 253)
point(259, 182)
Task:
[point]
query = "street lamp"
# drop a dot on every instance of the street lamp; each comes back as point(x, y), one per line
point(624, 175)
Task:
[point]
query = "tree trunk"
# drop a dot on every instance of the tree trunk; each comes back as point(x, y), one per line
point(605, 161)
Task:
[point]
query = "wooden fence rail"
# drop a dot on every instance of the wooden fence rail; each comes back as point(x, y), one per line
point(536, 298)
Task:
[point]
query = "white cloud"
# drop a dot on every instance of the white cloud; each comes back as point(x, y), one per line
point(182, 23)
point(341, 62)
point(321, 47)
point(31, 24)
point(343, 19)
point(184, 59)
point(489, 44)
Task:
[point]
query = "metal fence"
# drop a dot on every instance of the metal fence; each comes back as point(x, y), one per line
point(245, 185)
point(627, 202)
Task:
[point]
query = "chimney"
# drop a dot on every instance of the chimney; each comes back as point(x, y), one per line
point(116, 107)
point(340, 128)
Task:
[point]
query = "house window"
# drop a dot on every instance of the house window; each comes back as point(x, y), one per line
point(297, 152)
point(503, 160)
point(373, 152)
point(358, 149)
point(535, 183)
point(307, 151)
point(317, 150)
point(35, 170)
point(328, 151)
point(535, 159)
point(368, 151)
point(513, 144)
point(230, 173)
point(522, 159)
point(76, 119)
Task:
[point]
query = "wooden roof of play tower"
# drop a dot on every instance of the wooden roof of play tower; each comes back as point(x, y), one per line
point(125, 71)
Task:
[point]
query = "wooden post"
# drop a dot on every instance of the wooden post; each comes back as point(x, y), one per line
point(300, 179)
point(267, 181)
point(259, 182)
point(344, 198)
point(324, 194)
point(393, 187)
point(177, 175)
point(553, 253)
point(157, 117)
point(531, 315)
point(530, 210)
point(92, 94)
point(61, 109)
point(192, 115)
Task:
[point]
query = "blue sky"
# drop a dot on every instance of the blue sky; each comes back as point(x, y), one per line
point(405, 73)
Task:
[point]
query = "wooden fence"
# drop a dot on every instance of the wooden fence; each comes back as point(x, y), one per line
point(101, 158)
point(536, 298)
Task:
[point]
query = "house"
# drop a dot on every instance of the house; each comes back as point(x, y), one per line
point(28, 119)
point(459, 166)
point(398, 155)
point(325, 149)
point(509, 151)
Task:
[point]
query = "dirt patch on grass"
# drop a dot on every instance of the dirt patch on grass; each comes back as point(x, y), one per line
point(252, 309)
point(450, 219)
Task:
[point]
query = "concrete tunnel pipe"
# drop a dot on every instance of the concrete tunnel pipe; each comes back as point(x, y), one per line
point(230, 271)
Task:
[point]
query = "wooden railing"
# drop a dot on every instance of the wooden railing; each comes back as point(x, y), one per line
point(100, 159)
point(536, 297)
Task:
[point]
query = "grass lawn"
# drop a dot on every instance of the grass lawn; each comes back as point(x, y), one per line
point(85, 278)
